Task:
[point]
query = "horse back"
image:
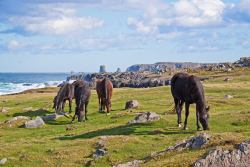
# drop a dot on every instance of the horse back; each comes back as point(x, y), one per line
point(186, 88)
point(104, 88)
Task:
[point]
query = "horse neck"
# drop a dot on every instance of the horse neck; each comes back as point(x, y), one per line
point(201, 105)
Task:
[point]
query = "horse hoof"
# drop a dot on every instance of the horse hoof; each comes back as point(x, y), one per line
point(100, 111)
point(179, 125)
point(85, 121)
point(198, 129)
point(108, 113)
point(185, 128)
point(72, 122)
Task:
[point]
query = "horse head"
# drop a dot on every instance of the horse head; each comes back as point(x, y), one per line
point(108, 104)
point(204, 119)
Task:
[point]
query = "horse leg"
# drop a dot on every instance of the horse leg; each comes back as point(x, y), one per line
point(100, 104)
point(70, 103)
point(63, 105)
point(197, 121)
point(178, 111)
point(74, 116)
point(186, 113)
point(86, 110)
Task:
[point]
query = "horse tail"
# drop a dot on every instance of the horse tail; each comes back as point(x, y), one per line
point(106, 88)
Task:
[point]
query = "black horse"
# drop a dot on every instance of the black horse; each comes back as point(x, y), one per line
point(82, 95)
point(66, 92)
point(188, 89)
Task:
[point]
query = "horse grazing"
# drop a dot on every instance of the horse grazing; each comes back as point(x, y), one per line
point(104, 89)
point(188, 89)
point(66, 92)
point(82, 95)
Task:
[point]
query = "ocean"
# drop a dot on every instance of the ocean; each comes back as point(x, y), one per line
point(18, 82)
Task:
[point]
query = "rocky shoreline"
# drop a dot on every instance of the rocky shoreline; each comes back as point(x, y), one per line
point(161, 77)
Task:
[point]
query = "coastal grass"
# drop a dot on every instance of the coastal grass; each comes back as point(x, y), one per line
point(54, 145)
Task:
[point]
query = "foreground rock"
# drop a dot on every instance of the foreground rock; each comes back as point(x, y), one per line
point(146, 117)
point(38, 122)
point(218, 157)
point(130, 164)
point(131, 104)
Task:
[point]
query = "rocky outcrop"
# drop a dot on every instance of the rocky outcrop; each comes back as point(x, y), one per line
point(146, 117)
point(218, 157)
point(130, 164)
point(162, 65)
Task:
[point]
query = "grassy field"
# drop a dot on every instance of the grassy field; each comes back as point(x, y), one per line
point(53, 145)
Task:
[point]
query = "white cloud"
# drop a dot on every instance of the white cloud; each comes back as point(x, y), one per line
point(58, 21)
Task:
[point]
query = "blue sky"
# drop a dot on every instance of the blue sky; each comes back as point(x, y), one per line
point(62, 35)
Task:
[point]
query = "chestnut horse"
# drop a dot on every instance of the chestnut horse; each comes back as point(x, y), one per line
point(104, 89)
point(66, 92)
point(82, 95)
point(188, 89)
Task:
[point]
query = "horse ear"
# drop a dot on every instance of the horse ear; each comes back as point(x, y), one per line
point(207, 108)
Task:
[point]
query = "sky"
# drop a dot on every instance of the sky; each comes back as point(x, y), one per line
point(80, 36)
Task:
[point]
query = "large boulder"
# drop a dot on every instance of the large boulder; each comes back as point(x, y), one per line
point(218, 157)
point(38, 122)
point(146, 117)
point(131, 104)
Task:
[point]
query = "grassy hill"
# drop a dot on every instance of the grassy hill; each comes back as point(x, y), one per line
point(54, 145)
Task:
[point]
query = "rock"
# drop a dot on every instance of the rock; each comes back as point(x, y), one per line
point(130, 164)
point(3, 161)
point(201, 140)
point(218, 157)
point(28, 108)
point(53, 117)
point(102, 69)
point(4, 101)
point(38, 122)
point(131, 104)
point(4, 109)
point(146, 117)
point(227, 97)
point(228, 79)
point(15, 119)
point(100, 152)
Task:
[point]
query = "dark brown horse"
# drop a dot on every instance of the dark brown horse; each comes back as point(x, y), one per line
point(82, 95)
point(66, 92)
point(104, 89)
point(188, 89)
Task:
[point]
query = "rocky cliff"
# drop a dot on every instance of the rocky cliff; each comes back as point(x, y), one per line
point(162, 65)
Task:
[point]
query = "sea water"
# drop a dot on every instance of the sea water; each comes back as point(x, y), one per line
point(18, 82)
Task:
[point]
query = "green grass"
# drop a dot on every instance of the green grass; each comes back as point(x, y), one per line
point(53, 145)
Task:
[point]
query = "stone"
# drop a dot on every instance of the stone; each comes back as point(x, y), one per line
point(218, 157)
point(227, 97)
point(201, 140)
point(3, 161)
point(130, 164)
point(228, 79)
point(15, 119)
point(28, 108)
point(4, 101)
point(38, 122)
point(131, 104)
point(100, 152)
point(53, 117)
point(146, 117)
point(102, 69)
